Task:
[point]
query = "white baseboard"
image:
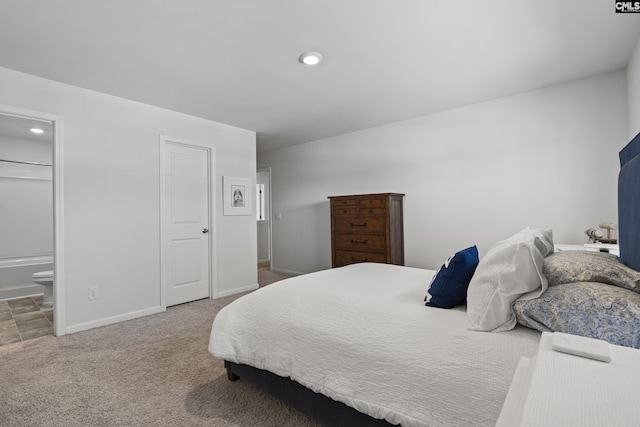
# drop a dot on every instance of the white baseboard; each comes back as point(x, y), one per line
point(292, 273)
point(237, 290)
point(21, 292)
point(114, 319)
point(263, 260)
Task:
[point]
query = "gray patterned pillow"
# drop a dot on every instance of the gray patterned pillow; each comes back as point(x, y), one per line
point(585, 266)
point(589, 309)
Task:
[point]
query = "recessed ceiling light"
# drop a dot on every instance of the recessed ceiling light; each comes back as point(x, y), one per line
point(36, 130)
point(310, 58)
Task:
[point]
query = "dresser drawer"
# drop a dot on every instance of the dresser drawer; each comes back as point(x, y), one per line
point(351, 257)
point(344, 211)
point(374, 205)
point(344, 201)
point(375, 202)
point(359, 225)
point(371, 210)
point(358, 242)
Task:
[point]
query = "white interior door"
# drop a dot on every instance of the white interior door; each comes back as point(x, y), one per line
point(186, 189)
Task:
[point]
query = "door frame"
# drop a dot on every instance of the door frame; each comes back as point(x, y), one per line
point(59, 307)
point(213, 259)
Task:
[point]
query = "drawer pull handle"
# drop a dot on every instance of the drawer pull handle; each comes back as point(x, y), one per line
point(364, 242)
point(354, 224)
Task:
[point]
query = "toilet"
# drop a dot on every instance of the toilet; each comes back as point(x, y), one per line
point(45, 278)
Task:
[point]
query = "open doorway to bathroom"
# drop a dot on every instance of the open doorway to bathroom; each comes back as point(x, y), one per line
point(27, 228)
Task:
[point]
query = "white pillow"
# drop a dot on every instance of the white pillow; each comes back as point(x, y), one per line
point(543, 239)
point(511, 270)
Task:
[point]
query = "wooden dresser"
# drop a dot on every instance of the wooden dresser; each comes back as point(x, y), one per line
point(367, 228)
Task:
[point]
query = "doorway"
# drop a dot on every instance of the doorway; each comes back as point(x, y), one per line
point(263, 217)
point(187, 221)
point(30, 187)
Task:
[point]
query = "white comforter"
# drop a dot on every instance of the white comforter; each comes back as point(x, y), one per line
point(362, 335)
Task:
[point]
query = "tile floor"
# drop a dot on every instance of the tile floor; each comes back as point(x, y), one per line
point(24, 318)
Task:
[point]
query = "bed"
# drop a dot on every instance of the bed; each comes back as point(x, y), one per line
point(356, 345)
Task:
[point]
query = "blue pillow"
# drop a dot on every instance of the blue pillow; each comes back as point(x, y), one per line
point(448, 287)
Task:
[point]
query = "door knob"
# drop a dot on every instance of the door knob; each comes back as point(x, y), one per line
point(205, 230)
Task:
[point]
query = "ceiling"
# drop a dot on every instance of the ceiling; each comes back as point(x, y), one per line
point(236, 61)
point(20, 127)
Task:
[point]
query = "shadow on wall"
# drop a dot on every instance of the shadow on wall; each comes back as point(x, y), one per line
point(304, 226)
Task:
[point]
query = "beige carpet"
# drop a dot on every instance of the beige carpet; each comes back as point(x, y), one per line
point(266, 277)
point(153, 371)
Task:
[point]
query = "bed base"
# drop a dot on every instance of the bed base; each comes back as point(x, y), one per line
point(314, 405)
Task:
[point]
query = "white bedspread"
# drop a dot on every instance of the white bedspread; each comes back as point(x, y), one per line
point(362, 335)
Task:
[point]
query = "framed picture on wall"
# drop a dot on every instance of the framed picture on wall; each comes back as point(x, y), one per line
point(236, 195)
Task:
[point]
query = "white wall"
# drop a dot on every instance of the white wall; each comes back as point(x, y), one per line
point(25, 150)
point(472, 175)
point(263, 241)
point(111, 196)
point(633, 78)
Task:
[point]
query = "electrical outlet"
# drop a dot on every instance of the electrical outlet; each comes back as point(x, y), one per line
point(93, 292)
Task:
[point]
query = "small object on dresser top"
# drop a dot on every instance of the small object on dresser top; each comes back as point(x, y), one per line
point(598, 235)
point(581, 346)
